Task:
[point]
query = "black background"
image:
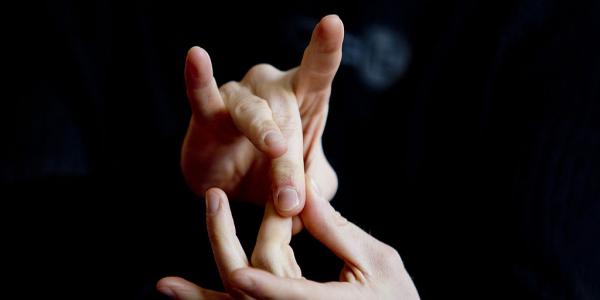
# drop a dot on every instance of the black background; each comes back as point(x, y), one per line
point(480, 164)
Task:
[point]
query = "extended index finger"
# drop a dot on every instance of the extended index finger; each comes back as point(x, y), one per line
point(202, 91)
point(228, 252)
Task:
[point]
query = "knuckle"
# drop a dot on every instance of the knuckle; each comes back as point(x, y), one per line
point(260, 70)
point(388, 256)
point(260, 125)
point(250, 105)
point(229, 88)
point(287, 121)
point(283, 170)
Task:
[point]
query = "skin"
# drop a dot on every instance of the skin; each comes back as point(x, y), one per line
point(271, 123)
point(373, 270)
point(257, 138)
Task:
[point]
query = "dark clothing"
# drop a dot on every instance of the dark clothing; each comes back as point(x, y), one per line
point(464, 133)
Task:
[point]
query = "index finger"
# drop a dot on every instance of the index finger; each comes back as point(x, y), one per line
point(203, 93)
point(228, 252)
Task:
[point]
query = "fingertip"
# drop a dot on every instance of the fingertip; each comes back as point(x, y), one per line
point(168, 285)
point(166, 281)
point(167, 292)
point(199, 66)
point(216, 192)
point(195, 49)
point(198, 52)
point(330, 33)
point(332, 20)
point(163, 282)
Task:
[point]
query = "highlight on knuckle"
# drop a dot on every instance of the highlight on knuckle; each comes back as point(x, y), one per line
point(260, 125)
point(283, 170)
point(248, 106)
point(260, 70)
point(230, 88)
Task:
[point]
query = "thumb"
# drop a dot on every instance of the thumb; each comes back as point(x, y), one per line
point(322, 57)
point(348, 241)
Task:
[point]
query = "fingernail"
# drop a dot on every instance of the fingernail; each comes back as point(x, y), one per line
point(167, 292)
point(274, 139)
point(315, 187)
point(212, 202)
point(287, 199)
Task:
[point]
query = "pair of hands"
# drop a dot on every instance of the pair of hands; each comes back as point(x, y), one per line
point(259, 140)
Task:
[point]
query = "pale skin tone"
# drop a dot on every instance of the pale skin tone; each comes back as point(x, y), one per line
point(257, 139)
point(373, 270)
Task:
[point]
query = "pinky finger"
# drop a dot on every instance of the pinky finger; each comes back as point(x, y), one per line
point(181, 289)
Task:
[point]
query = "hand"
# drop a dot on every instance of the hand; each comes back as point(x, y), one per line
point(272, 251)
point(373, 270)
point(257, 138)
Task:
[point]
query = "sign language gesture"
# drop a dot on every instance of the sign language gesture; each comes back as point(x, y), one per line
point(373, 270)
point(257, 138)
